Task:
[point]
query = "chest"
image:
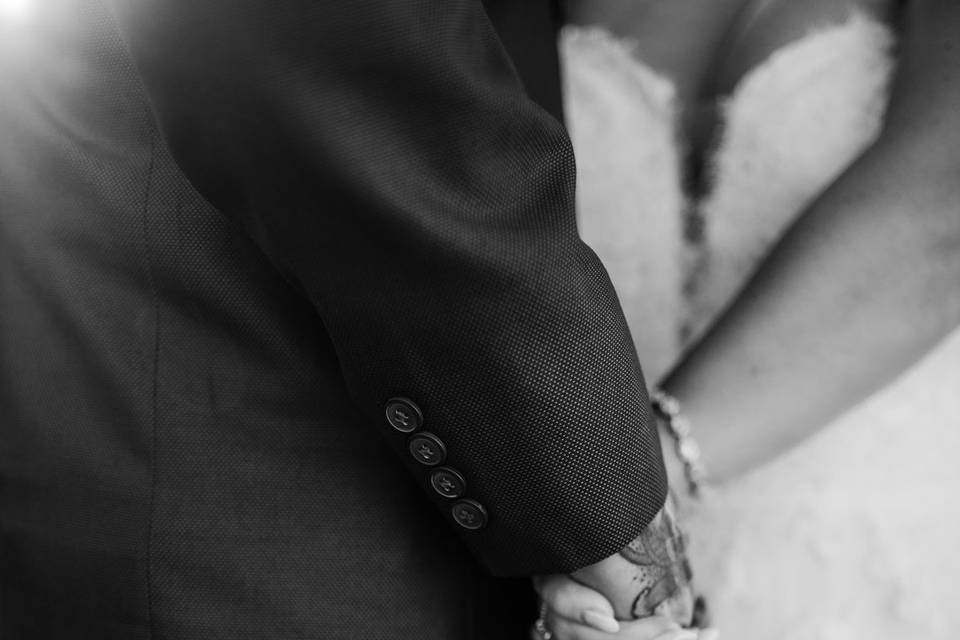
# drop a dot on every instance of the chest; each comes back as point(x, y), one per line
point(706, 47)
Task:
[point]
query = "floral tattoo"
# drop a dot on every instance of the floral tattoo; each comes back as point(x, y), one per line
point(662, 569)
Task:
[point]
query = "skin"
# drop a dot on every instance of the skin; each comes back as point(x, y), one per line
point(887, 233)
point(646, 587)
point(570, 601)
point(649, 576)
point(796, 348)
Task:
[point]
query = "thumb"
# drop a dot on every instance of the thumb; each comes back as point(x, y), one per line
point(567, 598)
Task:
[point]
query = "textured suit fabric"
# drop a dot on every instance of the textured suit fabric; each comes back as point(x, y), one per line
point(229, 232)
point(528, 32)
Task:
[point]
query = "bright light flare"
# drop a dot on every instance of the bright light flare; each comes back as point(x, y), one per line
point(15, 11)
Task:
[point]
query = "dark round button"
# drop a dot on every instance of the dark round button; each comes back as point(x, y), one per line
point(469, 514)
point(448, 482)
point(427, 449)
point(404, 415)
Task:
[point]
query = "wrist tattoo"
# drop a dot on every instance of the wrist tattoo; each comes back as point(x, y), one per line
point(662, 568)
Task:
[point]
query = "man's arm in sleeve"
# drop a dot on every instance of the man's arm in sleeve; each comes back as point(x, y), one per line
point(385, 157)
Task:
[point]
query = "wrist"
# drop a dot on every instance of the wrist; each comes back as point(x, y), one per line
point(671, 460)
point(682, 454)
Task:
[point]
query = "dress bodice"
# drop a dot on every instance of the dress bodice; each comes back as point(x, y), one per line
point(850, 534)
point(789, 128)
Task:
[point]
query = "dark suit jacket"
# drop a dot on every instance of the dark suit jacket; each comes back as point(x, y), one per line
point(230, 232)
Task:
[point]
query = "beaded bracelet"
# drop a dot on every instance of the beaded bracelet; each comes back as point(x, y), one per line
point(667, 408)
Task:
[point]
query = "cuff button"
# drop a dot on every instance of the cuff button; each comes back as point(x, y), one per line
point(448, 482)
point(404, 415)
point(427, 449)
point(469, 514)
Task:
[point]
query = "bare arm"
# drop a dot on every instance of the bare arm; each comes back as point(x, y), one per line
point(864, 284)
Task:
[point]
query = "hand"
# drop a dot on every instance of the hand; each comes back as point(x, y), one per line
point(573, 611)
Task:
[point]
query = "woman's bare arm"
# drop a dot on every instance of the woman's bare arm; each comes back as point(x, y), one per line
point(862, 286)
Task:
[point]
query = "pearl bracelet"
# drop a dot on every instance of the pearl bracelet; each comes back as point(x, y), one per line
point(667, 408)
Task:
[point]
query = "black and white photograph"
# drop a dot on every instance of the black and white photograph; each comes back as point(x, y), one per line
point(479, 319)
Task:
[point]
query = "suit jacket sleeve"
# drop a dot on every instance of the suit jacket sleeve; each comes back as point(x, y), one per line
point(386, 158)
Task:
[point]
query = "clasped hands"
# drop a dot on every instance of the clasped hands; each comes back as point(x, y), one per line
point(643, 592)
point(574, 611)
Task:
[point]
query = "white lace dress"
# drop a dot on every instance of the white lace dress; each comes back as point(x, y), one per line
point(855, 534)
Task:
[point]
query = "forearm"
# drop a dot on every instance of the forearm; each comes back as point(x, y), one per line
point(862, 286)
point(386, 160)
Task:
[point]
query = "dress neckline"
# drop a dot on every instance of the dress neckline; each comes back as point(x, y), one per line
point(698, 164)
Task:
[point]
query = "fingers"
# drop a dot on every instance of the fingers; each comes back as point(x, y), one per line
point(679, 634)
point(690, 634)
point(679, 606)
point(570, 600)
point(651, 628)
point(573, 611)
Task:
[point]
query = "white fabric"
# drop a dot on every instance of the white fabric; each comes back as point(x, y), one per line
point(855, 533)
